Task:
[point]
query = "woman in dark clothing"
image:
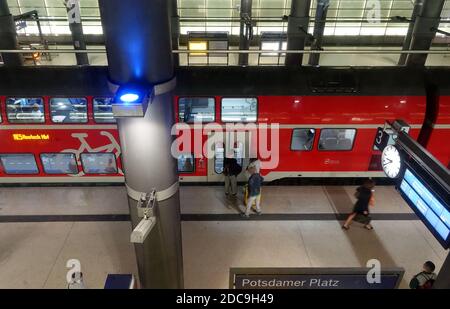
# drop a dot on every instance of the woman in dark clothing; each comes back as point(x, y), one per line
point(361, 208)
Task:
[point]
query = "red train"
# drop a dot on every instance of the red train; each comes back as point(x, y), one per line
point(327, 120)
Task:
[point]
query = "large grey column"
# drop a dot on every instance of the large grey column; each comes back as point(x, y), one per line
point(244, 41)
point(424, 30)
point(443, 279)
point(319, 28)
point(138, 45)
point(76, 28)
point(298, 22)
point(8, 36)
point(175, 29)
point(418, 4)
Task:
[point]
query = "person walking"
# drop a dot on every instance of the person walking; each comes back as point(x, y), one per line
point(360, 213)
point(254, 191)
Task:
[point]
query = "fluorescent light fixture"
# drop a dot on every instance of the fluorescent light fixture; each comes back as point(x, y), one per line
point(198, 45)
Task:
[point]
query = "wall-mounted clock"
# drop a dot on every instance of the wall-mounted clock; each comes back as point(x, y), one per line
point(391, 161)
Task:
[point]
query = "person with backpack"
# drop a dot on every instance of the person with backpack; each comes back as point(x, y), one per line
point(360, 213)
point(231, 170)
point(254, 192)
point(425, 279)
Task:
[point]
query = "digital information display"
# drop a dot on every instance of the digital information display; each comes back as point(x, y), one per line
point(434, 213)
point(312, 278)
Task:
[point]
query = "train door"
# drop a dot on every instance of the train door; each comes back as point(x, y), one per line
point(236, 144)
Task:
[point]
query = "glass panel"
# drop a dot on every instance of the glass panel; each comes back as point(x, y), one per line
point(59, 163)
point(336, 139)
point(218, 158)
point(25, 110)
point(239, 109)
point(18, 164)
point(68, 110)
point(302, 139)
point(99, 163)
point(103, 110)
point(186, 163)
point(196, 109)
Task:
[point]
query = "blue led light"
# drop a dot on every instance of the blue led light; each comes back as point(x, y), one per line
point(129, 97)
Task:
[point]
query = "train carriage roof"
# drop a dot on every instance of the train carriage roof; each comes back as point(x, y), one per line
point(229, 81)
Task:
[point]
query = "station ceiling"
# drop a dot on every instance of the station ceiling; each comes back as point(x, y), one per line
point(345, 17)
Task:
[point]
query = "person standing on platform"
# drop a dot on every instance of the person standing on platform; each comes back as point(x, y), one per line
point(364, 195)
point(254, 192)
point(424, 279)
point(231, 170)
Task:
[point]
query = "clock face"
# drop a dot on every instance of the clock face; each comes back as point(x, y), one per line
point(391, 161)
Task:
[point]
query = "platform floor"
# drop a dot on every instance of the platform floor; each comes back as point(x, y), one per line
point(299, 228)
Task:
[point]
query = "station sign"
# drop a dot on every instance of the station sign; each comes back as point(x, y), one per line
point(427, 201)
point(381, 139)
point(313, 278)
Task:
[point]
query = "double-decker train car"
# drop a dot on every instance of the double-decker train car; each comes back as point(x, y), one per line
point(321, 122)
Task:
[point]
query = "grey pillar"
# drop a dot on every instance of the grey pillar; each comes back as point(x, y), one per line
point(443, 279)
point(424, 30)
point(244, 33)
point(76, 28)
point(175, 29)
point(138, 45)
point(319, 28)
point(297, 30)
point(8, 36)
point(418, 4)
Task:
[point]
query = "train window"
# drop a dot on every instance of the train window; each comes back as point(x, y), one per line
point(191, 110)
point(239, 109)
point(337, 139)
point(186, 163)
point(19, 164)
point(25, 110)
point(103, 110)
point(302, 139)
point(99, 163)
point(68, 110)
point(219, 152)
point(59, 163)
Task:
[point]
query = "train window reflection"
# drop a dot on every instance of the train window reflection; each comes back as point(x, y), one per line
point(239, 109)
point(68, 110)
point(219, 152)
point(196, 109)
point(103, 110)
point(19, 164)
point(302, 139)
point(99, 163)
point(186, 163)
point(59, 163)
point(25, 110)
point(337, 139)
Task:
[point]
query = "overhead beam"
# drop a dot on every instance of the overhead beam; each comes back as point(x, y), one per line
point(175, 29)
point(319, 28)
point(424, 30)
point(297, 30)
point(418, 4)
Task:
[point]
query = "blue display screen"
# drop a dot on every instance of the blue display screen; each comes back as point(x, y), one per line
point(423, 200)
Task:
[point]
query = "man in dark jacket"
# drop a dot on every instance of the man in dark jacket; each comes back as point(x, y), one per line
point(231, 171)
point(254, 192)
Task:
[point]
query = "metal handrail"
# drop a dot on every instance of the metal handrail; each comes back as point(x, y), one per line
point(237, 51)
